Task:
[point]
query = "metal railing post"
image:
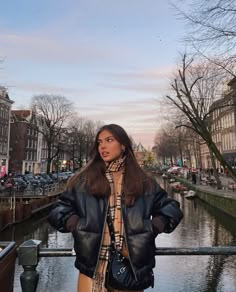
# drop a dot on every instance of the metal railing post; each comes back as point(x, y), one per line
point(28, 254)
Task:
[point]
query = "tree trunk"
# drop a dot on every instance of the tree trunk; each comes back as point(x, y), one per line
point(215, 172)
point(49, 161)
point(73, 157)
point(181, 153)
point(200, 155)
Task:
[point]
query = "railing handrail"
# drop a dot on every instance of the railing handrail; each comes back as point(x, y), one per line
point(7, 247)
point(173, 251)
point(30, 252)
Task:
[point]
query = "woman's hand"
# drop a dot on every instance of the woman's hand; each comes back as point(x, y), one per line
point(71, 222)
point(158, 224)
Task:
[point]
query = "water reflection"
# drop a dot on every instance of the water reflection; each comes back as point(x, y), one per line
point(32, 228)
point(202, 225)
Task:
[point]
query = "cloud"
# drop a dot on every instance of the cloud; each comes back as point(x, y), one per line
point(48, 49)
point(152, 73)
point(153, 88)
point(139, 118)
point(145, 104)
point(41, 88)
point(151, 80)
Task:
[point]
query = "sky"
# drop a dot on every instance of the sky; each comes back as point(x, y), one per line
point(112, 59)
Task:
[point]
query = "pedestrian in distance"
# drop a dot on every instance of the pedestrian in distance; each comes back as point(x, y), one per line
point(114, 209)
point(194, 177)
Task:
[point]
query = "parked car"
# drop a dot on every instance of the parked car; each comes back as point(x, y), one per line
point(69, 173)
point(42, 181)
point(53, 176)
point(62, 176)
point(30, 179)
point(19, 184)
point(47, 178)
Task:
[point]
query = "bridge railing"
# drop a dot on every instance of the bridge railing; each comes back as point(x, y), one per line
point(30, 252)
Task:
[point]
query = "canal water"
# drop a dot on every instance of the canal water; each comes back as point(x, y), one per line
point(201, 226)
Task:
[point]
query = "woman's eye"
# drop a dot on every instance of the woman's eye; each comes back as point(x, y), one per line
point(110, 140)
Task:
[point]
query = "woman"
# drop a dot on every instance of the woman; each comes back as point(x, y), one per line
point(112, 181)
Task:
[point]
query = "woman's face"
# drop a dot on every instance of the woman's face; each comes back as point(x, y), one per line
point(108, 147)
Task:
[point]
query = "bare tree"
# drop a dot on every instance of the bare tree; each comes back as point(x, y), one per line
point(90, 130)
point(53, 112)
point(174, 143)
point(81, 134)
point(76, 141)
point(211, 30)
point(195, 88)
point(165, 143)
point(194, 144)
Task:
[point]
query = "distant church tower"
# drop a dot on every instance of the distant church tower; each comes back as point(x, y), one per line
point(140, 153)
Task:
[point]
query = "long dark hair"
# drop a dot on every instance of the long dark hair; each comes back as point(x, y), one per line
point(93, 177)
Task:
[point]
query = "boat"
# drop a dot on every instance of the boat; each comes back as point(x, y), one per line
point(178, 187)
point(190, 194)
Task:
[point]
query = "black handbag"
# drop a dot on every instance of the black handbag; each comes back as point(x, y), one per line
point(119, 273)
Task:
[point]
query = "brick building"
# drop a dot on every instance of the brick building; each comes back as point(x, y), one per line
point(23, 142)
point(5, 110)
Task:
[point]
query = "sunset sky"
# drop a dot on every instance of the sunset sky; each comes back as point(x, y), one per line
point(111, 58)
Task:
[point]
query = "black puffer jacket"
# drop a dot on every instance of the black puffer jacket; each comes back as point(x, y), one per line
point(139, 233)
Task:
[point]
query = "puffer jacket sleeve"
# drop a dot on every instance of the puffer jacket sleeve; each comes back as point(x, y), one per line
point(167, 209)
point(62, 210)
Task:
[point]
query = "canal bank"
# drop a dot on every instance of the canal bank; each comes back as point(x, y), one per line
point(14, 210)
point(224, 200)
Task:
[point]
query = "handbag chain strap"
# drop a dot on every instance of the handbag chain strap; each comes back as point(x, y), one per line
point(111, 229)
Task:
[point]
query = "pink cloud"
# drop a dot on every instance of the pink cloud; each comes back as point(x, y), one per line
point(152, 73)
point(40, 88)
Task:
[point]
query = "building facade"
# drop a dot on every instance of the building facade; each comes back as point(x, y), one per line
point(5, 112)
point(24, 142)
point(223, 128)
point(224, 124)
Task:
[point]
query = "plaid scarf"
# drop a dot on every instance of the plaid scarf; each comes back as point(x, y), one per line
point(115, 209)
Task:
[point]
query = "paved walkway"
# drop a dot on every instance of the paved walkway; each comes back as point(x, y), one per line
point(225, 192)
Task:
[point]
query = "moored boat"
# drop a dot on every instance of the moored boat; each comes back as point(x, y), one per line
point(190, 194)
